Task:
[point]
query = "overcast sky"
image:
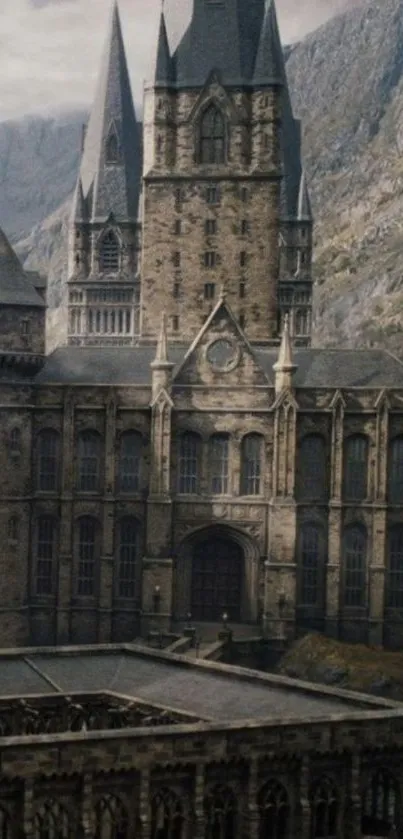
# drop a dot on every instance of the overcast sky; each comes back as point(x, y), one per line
point(50, 49)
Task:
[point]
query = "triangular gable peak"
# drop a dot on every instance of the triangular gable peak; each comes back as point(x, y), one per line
point(221, 355)
point(215, 94)
point(162, 400)
point(286, 399)
point(338, 401)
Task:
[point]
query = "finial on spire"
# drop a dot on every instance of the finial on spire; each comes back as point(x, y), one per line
point(284, 367)
point(163, 65)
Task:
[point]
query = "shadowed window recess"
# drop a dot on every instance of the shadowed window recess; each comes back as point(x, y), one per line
point(89, 461)
point(311, 468)
point(395, 471)
point(167, 816)
point(212, 143)
point(131, 444)
point(274, 811)
point(52, 821)
point(354, 564)
point(381, 807)
point(324, 810)
point(221, 813)
point(109, 254)
point(46, 530)
point(87, 538)
point(112, 149)
point(355, 483)
point(251, 464)
point(395, 567)
point(128, 554)
point(189, 458)
point(111, 819)
point(219, 464)
point(48, 460)
point(311, 541)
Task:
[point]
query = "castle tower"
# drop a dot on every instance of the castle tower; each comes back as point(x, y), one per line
point(103, 287)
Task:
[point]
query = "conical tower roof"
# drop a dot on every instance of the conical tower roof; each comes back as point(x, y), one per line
point(269, 64)
point(114, 185)
point(79, 211)
point(304, 201)
point(285, 363)
point(163, 65)
point(16, 289)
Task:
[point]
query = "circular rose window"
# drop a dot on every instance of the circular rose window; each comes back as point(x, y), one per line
point(223, 354)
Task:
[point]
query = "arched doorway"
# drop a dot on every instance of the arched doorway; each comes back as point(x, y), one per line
point(217, 572)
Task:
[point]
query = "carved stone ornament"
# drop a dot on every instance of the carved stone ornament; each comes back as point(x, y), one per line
point(223, 354)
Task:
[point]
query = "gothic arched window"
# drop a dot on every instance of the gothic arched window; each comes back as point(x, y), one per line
point(167, 816)
point(89, 461)
point(221, 813)
point(310, 557)
point(87, 538)
point(302, 322)
point(109, 253)
point(48, 459)
point(5, 825)
point(111, 819)
point(131, 443)
point(311, 472)
point(219, 463)
point(395, 471)
point(356, 468)
point(45, 554)
point(52, 821)
point(251, 464)
point(189, 463)
point(324, 811)
point(381, 805)
point(212, 136)
point(112, 149)
point(354, 565)
point(128, 549)
point(273, 811)
point(395, 567)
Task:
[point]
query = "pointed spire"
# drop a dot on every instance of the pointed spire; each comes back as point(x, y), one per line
point(115, 183)
point(304, 202)
point(79, 213)
point(284, 367)
point(161, 355)
point(269, 64)
point(161, 366)
point(16, 288)
point(163, 65)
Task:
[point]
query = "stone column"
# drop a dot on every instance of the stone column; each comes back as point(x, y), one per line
point(145, 804)
point(28, 811)
point(333, 581)
point(303, 830)
point(354, 816)
point(377, 570)
point(87, 808)
point(107, 547)
point(199, 826)
point(66, 522)
point(251, 825)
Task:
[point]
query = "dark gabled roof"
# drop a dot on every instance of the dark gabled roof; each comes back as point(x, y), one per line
point(269, 64)
point(112, 188)
point(316, 368)
point(16, 287)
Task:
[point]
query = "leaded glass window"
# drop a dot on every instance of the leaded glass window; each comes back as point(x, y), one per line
point(251, 464)
point(111, 819)
point(380, 809)
point(89, 461)
point(325, 810)
point(212, 136)
point(219, 463)
point(48, 459)
point(128, 553)
point(53, 822)
point(45, 554)
point(354, 562)
point(312, 467)
point(189, 463)
point(395, 472)
point(87, 547)
point(310, 555)
point(356, 468)
point(395, 568)
point(167, 816)
point(130, 461)
point(274, 811)
point(109, 253)
point(221, 813)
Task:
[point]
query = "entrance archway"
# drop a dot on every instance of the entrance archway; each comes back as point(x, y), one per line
point(217, 576)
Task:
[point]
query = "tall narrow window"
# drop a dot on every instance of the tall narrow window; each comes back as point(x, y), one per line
point(130, 461)
point(209, 291)
point(325, 810)
point(274, 811)
point(395, 567)
point(210, 259)
point(213, 195)
point(12, 529)
point(219, 463)
point(89, 461)
point(251, 464)
point(5, 825)
point(395, 471)
point(87, 545)
point(311, 470)
point(302, 322)
point(210, 226)
point(212, 136)
point(15, 441)
point(112, 149)
point(109, 253)
point(242, 259)
point(356, 468)
point(189, 463)
point(355, 559)
point(221, 813)
point(310, 544)
point(111, 819)
point(381, 805)
point(52, 820)
point(45, 555)
point(128, 531)
point(167, 816)
point(48, 459)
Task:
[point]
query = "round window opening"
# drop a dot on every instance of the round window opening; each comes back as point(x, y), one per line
point(223, 355)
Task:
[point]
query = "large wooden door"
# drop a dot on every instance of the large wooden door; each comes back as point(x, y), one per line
point(216, 580)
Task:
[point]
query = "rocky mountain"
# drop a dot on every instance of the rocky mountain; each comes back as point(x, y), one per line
point(347, 87)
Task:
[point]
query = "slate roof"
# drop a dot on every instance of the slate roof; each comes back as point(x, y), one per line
point(163, 65)
point(112, 188)
point(16, 288)
point(316, 368)
point(210, 691)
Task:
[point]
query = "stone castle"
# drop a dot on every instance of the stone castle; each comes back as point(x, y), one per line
point(188, 452)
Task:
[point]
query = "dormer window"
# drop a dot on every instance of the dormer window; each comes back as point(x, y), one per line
point(112, 149)
point(109, 254)
point(212, 136)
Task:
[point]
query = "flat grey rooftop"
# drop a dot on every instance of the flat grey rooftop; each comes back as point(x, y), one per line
point(211, 691)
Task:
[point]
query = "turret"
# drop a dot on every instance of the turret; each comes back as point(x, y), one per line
point(161, 366)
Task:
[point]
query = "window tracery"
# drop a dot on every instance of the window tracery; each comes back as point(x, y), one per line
point(212, 136)
point(89, 461)
point(251, 464)
point(128, 534)
point(189, 463)
point(311, 538)
point(87, 538)
point(356, 468)
point(325, 810)
point(111, 818)
point(53, 822)
point(219, 463)
point(381, 804)
point(48, 459)
point(274, 809)
point(45, 554)
point(355, 558)
point(395, 471)
point(167, 816)
point(130, 461)
point(109, 253)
